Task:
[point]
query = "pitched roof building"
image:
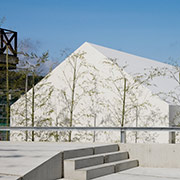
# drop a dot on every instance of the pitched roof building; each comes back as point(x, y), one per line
point(98, 86)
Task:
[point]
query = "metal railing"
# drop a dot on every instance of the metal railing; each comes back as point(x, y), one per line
point(122, 130)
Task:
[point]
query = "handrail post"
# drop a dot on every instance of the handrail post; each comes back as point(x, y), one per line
point(123, 136)
point(172, 137)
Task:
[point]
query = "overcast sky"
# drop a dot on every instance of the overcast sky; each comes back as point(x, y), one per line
point(148, 28)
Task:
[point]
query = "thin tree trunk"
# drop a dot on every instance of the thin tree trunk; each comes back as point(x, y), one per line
point(7, 93)
point(122, 133)
point(33, 95)
point(72, 100)
point(26, 87)
point(124, 103)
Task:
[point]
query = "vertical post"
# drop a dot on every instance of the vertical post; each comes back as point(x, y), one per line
point(57, 134)
point(7, 93)
point(173, 112)
point(1, 31)
point(172, 137)
point(123, 136)
point(15, 43)
point(136, 133)
point(94, 135)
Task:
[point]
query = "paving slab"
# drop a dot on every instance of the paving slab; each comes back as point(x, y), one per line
point(141, 173)
point(8, 177)
point(19, 158)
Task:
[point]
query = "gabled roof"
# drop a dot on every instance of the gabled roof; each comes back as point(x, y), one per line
point(141, 65)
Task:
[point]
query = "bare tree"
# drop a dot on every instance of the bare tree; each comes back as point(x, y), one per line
point(34, 69)
point(96, 105)
point(171, 96)
point(126, 107)
point(75, 62)
point(30, 65)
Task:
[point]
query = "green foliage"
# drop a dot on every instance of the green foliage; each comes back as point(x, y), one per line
point(16, 82)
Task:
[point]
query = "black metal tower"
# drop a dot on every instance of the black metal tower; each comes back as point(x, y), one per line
point(8, 38)
point(8, 61)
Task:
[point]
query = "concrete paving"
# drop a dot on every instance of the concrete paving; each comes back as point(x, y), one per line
point(141, 173)
point(19, 158)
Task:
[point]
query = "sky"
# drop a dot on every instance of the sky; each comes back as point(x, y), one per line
point(147, 28)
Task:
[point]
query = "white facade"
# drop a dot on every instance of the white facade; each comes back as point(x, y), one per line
point(98, 97)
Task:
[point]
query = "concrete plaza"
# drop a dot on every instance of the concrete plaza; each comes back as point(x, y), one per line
point(142, 173)
point(20, 158)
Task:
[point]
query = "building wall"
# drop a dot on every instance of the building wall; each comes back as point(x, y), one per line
point(154, 155)
point(97, 102)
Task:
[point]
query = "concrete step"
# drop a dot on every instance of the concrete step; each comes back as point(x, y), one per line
point(106, 149)
point(101, 170)
point(90, 163)
point(126, 164)
point(87, 161)
point(91, 172)
point(77, 163)
point(115, 156)
point(78, 153)
point(90, 151)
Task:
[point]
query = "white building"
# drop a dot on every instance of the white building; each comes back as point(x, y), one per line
point(99, 74)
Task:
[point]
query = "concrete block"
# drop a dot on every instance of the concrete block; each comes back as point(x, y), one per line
point(51, 169)
point(154, 155)
point(98, 171)
point(78, 153)
point(106, 149)
point(88, 172)
point(125, 164)
point(70, 165)
point(115, 156)
point(75, 175)
point(87, 162)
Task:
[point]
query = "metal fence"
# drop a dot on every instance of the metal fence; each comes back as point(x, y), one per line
point(172, 130)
